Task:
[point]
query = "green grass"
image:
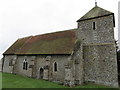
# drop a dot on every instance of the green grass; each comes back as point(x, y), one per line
point(17, 81)
point(0, 80)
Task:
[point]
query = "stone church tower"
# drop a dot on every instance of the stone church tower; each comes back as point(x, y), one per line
point(95, 60)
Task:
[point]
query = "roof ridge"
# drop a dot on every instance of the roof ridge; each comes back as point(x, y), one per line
point(95, 12)
point(55, 32)
point(61, 43)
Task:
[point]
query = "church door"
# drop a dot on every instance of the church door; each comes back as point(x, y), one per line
point(41, 73)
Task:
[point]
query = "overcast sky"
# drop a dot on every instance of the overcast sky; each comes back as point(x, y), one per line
point(22, 18)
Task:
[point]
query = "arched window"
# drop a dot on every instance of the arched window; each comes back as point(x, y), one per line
point(25, 65)
point(55, 66)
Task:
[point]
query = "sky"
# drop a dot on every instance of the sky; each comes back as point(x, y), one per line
point(22, 18)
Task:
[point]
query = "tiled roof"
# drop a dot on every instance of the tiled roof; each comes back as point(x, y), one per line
point(52, 43)
point(95, 12)
point(16, 46)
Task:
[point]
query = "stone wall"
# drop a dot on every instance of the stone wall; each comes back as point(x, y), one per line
point(77, 58)
point(99, 50)
point(61, 60)
point(100, 65)
point(104, 32)
point(34, 65)
point(7, 67)
point(18, 67)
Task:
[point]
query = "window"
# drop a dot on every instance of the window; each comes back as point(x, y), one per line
point(25, 65)
point(10, 63)
point(93, 25)
point(55, 66)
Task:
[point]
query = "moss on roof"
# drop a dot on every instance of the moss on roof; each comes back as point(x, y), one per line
point(16, 46)
point(53, 43)
point(95, 12)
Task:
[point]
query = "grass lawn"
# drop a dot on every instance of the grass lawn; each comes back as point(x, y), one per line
point(16, 81)
point(0, 80)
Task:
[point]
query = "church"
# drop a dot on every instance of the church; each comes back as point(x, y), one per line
point(71, 57)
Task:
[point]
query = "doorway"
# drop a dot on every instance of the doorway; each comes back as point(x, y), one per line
point(41, 73)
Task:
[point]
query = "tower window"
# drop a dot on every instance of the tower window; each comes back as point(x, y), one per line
point(93, 25)
point(55, 66)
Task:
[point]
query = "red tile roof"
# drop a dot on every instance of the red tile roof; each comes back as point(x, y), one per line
point(52, 43)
